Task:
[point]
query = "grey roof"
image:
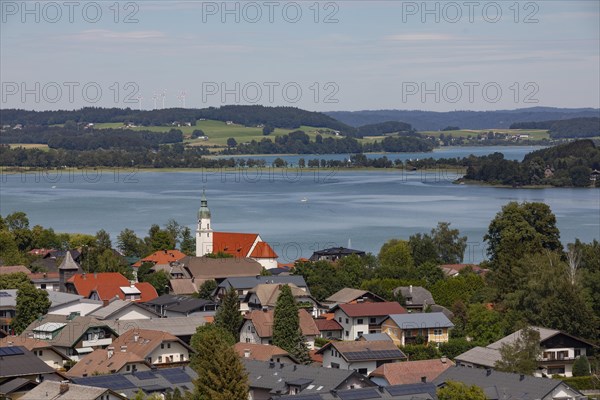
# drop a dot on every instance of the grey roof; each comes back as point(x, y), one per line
point(482, 356)
point(248, 282)
point(68, 263)
point(70, 332)
point(502, 385)
point(51, 390)
point(421, 320)
point(420, 296)
point(14, 385)
point(273, 377)
point(9, 298)
point(374, 337)
point(177, 326)
point(180, 304)
point(414, 391)
point(58, 298)
point(160, 380)
point(115, 306)
point(21, 362)
point(545, 334)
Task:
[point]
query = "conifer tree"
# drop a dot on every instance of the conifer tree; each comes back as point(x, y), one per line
point(286, 327)
point(228, 314)
point(221, 374)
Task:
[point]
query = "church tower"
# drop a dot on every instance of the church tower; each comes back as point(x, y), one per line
point(204, 233)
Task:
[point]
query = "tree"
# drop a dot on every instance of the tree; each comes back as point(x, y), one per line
point(188, 242)
point(484, 326)
point(13, 281)
point(206, 290)
point(228, 316)
point(286, 326)
point(460, 391)
point(581, 367)
point(159, 239)
point(197, 133)
point(267, 130)
point(103, 240)
point(221, 374)
point(520, 356)
point(395, 259)
point(423, 249)
point(159, 280)
point(129, 244)
point(450, 246)
point(231, 142)
point(31, 304)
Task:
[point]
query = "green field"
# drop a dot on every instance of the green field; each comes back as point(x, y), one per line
point(534, 134)
point(29, 146)
point(218, 132)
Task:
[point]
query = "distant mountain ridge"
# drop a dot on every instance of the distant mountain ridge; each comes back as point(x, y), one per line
point(433, 121)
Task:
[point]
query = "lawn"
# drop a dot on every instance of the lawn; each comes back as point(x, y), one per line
point(29, 146)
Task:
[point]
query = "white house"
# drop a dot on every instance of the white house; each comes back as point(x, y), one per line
point(359, 319)
point(258, 327)
point(362, 356)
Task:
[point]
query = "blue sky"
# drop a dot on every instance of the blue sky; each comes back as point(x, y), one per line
point(379, 54)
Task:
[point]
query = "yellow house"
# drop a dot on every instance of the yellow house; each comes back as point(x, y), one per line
point(406, 328)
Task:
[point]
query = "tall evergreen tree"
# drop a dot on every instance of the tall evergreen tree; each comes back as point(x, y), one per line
point(286, 326)
point(228, 314)
point(221, 374)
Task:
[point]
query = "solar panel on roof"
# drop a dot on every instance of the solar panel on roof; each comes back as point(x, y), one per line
point(175, 375)
point(4, 294)
point(359, 394)
point(10, 351)
point(144, 375)
point(417, 388)
point(113, 381)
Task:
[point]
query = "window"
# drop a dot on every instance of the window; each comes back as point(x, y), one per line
point(128, 368)
point(162, 345)
point(347, 333)
point(247, 340)
point(43, 286)
point(339, 319)
point(159, 359)
point(359, 333)
point(347, 321)
point(577, 352)
point(359, 321)
point(335, 365)
point(552, 370)
point(248, 328)
point(168, 345)
point(362, 371)
point(438, 332)
point(373, 320)
point(181, 357)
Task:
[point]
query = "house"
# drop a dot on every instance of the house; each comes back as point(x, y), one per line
point(184, 286)
point(263, 352)
point(334, 254)
point(270, 380)
point(238, 245)
point(350, 295)
point(242, 284)
point(503, 385)
point(409, 372)
point(258, 327)
point(80, 306)
point(21, 371)
point(452, 270)
point(559, 352)
point(122, 310)
point(361, 318)
point(374, 337)
point(181, 327)
point(174, 270)
point(408, 328)
point(72, 335)
point(42, 349)
point(51, 259)
point(169, 305)
point(106, 285)
point(153, 382)
point(161, 257)
point(8, 308)
point(204, 268)
point(69, 391)
point(135, 350)
point(265, 295)
point(360, 355)
point(418, 391)
point(49, 281)
point(13, 269)
point(416, 298)
point(329, 328)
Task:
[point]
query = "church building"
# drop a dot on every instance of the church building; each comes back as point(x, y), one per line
point(239, 245)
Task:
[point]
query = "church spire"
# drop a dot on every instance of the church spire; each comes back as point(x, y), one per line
point(203, 212)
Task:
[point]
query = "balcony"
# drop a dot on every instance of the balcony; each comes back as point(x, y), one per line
point(96, 342)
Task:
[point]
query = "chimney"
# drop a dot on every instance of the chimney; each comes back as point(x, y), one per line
point(10, 344)
point(423, 379)
point(136, 336)
point(83, 276)
point(410, 289)
point(105, 302)
point(247, 353)
point(271, 365)
point(123, 349)
point(64, 387)
point(488, 371)
point(110, 351)
point(522, 377)
point(444, 360)
point(95, 275)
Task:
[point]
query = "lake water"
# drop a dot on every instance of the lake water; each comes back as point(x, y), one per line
point(366, 207)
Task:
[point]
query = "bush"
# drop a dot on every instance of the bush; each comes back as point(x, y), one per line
point(581, 367)
point(579, 382)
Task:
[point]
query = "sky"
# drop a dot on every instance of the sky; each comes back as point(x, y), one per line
point(321, 56)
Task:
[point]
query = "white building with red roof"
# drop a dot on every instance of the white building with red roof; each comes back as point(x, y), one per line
point(238, 245)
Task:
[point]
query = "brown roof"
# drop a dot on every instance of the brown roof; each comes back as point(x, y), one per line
point(263, 323)
point(324, 324)
point(268, 293)
point(13, 269)
point(186, 285)
point(348, 349)
point(346, 295)
point(161, 257)
point(98, 362)
point(28, 343)
point(220, 268)
point(259, 352)
point(372, 309)
point(411, 371)
point(143, 341)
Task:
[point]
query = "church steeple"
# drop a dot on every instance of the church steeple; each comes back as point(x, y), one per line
point(204, 234)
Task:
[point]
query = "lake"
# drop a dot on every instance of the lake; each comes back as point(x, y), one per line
point(364, 207)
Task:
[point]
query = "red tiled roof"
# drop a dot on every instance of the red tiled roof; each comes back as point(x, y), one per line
point(411, 371)
point(263, 250)
point(328, 324)
point(161, 257)
point(108, 285)
point(236, 244)
point(372, 309)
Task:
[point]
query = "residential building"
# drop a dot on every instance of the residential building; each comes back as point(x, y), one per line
point(42, 349)
point(351, 295)
point(408, 372)
point(503, 385)
point(181, 327)
point(204, 268)
point(270, 380)
point(358, 319)
point(265, 295)
point(8, 308)
point(416, 298)
point(361, 356)
point(49, 281)
point(258, 327)
point(559, 352)
point(409, 328)
point(334, 254)
point(263, 352)
point(242, 284)
point(79, 305)
point(122, 310)
point(13, 269)
point(104, 286)
point(169, 305)
point(419, 391)
point(160, 257)
point(238, 245)
point(329, 328)
point(70, 391)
